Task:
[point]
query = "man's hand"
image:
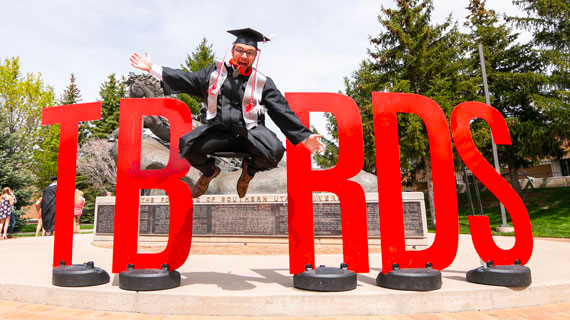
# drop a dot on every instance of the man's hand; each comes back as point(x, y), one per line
point(314, 144)
point(140, 62)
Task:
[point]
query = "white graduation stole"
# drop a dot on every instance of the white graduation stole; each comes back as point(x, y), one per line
point(215, 86)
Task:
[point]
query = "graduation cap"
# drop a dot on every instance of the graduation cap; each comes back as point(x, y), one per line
point(248, 36)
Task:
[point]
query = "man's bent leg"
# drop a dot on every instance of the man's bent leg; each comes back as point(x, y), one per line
point(213, 141)
point(261, 160)
point(206, 165)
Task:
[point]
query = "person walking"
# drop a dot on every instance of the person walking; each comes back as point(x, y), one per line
point(6, 204)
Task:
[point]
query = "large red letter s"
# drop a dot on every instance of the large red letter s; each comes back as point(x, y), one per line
point(479, 225)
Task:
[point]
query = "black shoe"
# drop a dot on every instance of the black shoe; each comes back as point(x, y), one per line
point(202, 184)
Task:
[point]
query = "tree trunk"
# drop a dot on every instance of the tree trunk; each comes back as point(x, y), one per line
point(430, 189)
point(514, 175)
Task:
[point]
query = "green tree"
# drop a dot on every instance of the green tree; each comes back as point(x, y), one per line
point(15, 172)
point(411, 54)
point(71, 94)
point(359, 87)
point(516, 82)
point(111, 93)
point(22, 98)
point(202, 57)
point(549, 22)
point(46, 154)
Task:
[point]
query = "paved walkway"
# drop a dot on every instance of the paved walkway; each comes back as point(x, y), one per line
point(16, 310)
point(241, 284)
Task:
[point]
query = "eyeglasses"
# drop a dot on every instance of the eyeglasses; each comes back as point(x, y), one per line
point(249, 53)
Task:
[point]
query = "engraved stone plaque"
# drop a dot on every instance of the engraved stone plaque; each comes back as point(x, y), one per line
point(258, 215)
point(105, 218)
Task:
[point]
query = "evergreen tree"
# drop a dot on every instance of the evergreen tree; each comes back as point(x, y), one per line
point(111, 92)
point(411, 55)
point(47, 154)
point(71, 95)
point(202, 57)
point(516, 82)
point(549, 22)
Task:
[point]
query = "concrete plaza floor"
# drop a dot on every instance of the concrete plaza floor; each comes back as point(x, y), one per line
point(260, 285)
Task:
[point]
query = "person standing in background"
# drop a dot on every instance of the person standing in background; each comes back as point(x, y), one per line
point(38, 205)
point(79, 203)
point(6, 203)
point(12, 216)
point(48, 207)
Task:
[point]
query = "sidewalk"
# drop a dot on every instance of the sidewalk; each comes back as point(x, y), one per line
point(260, 285)
point(18, 311)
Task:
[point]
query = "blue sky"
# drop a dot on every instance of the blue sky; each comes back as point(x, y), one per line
point(317, 43)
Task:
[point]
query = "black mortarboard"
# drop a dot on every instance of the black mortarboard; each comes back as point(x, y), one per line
point(248, 36)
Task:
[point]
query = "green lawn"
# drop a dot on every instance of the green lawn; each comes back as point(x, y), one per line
point(548, 208)
point(32, 228)
point(549, 211)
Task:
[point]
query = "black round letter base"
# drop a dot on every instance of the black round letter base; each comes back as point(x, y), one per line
point(507, 276)
point(79, 275)
point(411, 279)
point(148, 279)
point(327, 279)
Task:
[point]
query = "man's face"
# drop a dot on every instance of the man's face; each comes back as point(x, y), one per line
point(244, 55)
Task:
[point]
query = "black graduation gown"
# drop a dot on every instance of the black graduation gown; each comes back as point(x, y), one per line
point(48, 208)
point(229, 114)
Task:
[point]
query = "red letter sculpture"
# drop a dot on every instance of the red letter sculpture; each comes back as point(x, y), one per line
point(302, 181)
point(444, 248)
point(68, 117)
point(131, 179)
point(479, 225)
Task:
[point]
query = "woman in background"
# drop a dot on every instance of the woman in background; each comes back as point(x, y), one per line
point(6, 203)
point(38, 205)
point(79, 203)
